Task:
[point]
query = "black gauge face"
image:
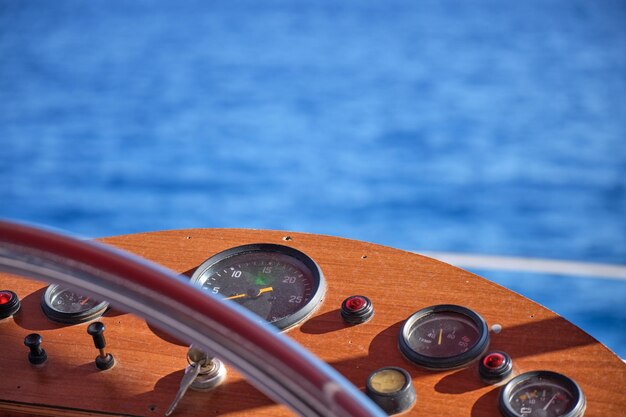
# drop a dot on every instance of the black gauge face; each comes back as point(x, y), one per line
point(542, 394)
point(278, 283)
point(66, 306)
point(444, 337)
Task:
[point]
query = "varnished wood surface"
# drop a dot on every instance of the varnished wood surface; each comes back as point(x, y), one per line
point(150, 363)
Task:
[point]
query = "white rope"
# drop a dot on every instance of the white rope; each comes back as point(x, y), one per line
point(535, 265)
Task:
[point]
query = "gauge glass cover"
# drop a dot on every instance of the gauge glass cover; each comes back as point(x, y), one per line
point(387, 381)
point(444, 337)
point(542, 394)
point(66, 306)
point(278, 283)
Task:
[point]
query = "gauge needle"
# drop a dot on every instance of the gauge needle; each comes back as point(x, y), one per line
point(440, 333)
point(83, 301)
point(261, 291)
point(232, 297)
point(266, 289)
point(550, 402)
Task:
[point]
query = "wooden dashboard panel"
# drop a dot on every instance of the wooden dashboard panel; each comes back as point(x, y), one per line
point(150, 363)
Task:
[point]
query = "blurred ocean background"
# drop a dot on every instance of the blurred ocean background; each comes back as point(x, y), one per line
point(492, 127)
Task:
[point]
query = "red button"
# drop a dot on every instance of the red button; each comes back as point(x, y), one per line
point(493, 360)
point(5, 297)
point(356, 303)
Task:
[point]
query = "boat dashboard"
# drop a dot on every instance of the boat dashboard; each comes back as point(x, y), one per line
point(418, 336)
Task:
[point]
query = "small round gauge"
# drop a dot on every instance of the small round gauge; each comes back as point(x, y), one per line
point(66, 306)
point(542, 394)
point(443, 337)
point(280, 284)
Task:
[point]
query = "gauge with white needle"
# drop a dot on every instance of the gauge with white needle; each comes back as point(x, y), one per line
point(542, 394)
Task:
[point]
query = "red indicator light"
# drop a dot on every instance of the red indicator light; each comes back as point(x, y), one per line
point(493, 360)
point(5, 297)
point(355, 303)
point(356, 309)
point(495, 366)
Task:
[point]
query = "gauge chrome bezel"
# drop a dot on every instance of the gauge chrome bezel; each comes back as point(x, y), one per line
point(504, 399)
point(450, 362)
point(318, 285)
point(69, 318)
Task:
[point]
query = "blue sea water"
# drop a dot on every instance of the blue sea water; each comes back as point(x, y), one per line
point(486, 127)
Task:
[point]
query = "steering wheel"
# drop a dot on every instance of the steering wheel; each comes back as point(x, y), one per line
point(271, 361)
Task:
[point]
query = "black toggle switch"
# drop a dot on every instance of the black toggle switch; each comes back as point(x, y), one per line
point(105, 360)
point(37, 355)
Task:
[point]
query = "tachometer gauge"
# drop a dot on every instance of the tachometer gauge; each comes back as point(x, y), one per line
point(443, 337)
point(542, 394)
point(66, 306)
point(280, 284)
